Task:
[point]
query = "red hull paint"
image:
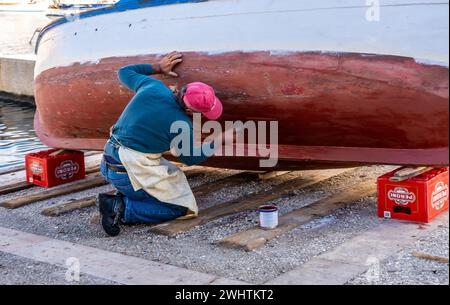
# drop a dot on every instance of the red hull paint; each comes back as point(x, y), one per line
point(333, 109)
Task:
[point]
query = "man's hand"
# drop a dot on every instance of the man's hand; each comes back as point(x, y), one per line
point(166, 65)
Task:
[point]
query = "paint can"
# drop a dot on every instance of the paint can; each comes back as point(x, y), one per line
point(268, 216)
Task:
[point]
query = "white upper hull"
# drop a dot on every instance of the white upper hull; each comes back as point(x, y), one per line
point(411, 28)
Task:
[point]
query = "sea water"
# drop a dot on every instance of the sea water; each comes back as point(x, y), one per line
point(17, 136)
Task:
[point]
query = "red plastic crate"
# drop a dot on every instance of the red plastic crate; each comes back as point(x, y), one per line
point(420, 198)
point(45, 170)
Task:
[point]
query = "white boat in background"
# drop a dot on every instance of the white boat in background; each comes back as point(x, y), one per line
point(23, 6)
point(70, 9)
point(348, 83)
point(54, 8)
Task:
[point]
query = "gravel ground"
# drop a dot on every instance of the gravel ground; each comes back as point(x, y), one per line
point(15, 270)
point(197, 248)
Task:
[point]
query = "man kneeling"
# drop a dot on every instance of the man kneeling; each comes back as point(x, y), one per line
point(150, 188)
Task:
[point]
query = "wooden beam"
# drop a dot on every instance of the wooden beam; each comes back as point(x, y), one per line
point(92, 153)
point(90, 182)
point(92, 163)
point(205, 189)
point(92, 169)
point(270, 175)
point(197, 171)
point(12, 176)
point(431, 257)
point(14, 187)
point(409, 172)
point(65, 207)
point(256, 237)
point(68, 206)
point(230, 181)
point(247, 202)
point(12, 169)
point(200, 191)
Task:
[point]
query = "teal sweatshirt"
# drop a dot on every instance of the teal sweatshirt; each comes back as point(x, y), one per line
point(145, 123)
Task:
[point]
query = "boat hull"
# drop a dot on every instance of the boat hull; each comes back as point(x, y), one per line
point(344, 92)
point(330, 107)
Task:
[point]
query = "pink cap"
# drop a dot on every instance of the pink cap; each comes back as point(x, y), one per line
point(200, 97)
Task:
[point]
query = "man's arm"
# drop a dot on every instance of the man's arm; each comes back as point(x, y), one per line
point(197, 152)
point(134, 76)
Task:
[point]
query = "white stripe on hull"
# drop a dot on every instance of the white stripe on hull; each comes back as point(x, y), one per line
point(417, 29)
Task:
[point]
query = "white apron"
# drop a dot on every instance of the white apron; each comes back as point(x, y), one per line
point(159, 178)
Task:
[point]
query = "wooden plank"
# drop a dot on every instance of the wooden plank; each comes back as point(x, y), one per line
point(12, 169)
point(92, 163)
point(256, 237)
point(197, 172)
point(409, 172)
point(247, 202)
point(230, 181)
point(14, 187)
point(92, 153)
point(92, 169)
point(90, 182)
point(270, 175)
point(11, 178)
point(65, 207)
point(68, 206)
point(431, 257)
point(58, 152)
point(205, 189)
point(199, 191)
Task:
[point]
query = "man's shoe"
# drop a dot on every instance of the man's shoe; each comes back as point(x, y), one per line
point(111, 210)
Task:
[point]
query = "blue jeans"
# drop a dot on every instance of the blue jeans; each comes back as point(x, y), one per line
point(140, 207)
